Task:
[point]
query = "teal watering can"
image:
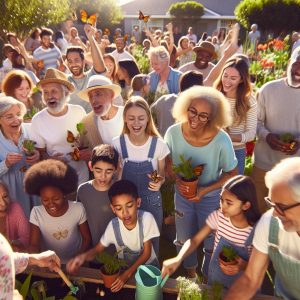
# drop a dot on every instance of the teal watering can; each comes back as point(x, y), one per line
point(149, 283)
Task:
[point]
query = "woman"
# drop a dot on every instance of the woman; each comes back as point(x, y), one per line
point(201, 113)
point(234, 83)
point(61, 42)
point(13, 162)
point(18, 85)
point(185, 51)
point(33, 41)
point(13, 223)
point(127, 69)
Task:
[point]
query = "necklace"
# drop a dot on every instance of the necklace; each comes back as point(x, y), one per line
point(75, 83)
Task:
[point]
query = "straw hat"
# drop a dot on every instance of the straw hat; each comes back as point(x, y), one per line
point(206, 46)
point(99, 82)
point(56, 76)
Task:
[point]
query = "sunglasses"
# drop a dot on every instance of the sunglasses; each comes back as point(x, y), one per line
point(279, 207)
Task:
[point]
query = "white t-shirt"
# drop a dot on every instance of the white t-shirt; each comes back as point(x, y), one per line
point(60, 234)
point(131, 237)
point(120, 56)
point(140, 153)
point(289, 242)
point(111, 128)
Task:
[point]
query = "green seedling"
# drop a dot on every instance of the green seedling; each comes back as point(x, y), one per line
point(111, 263)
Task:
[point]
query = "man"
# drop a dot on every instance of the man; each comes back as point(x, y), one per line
point(47, 55)
point(52, 125)
point(295, 40)
point(106, 120)
point(278, 108)
point(277, 237)
point(192, 37)
point(120, 53)
point(205, 53)
point(254, 36)
point(136, 34)
point(76, 64)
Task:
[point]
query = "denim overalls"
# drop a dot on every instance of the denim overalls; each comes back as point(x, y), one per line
point(137, 172)
point(287, 279)
point(215, 273)
point(128, 255)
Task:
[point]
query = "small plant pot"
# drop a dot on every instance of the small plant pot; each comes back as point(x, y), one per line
point(28, 153)
point(192, 184)
point(223, 261)
point(108, 280)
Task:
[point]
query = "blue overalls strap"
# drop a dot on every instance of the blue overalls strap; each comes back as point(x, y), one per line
point(117, 232)
point(123, 147)
point(250, 237)
point(141, 227)
point(152, 148)
point(273, 231)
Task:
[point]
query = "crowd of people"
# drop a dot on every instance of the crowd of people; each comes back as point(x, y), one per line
point(87, 142)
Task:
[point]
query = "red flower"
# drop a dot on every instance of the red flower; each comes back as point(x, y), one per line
point(250, 148)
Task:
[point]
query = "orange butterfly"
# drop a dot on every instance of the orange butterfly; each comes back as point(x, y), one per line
point(40, 64)
point(155, 177)
point(23, 169)
point(126, 36)
point(70, 137)
point(198, 170)
point(106, 32)
point(75, 154)
point(142, 17)
point(85, 18)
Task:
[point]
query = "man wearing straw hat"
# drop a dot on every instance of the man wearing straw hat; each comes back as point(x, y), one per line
point(205, 53)
point(55, 127)
point(106, 120)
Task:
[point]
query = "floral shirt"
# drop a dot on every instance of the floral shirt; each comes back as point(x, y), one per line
point(10, 264)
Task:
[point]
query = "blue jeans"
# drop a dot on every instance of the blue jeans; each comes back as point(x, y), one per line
point(241, 156)
point(190, 218)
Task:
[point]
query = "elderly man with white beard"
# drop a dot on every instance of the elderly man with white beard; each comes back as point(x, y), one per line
point(52, 126)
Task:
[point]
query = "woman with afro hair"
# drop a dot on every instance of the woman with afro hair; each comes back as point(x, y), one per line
point(58, 224)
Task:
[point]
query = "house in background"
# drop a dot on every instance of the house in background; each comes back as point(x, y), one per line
point(217, 14)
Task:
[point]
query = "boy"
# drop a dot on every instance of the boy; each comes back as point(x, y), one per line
point(131, 233)
point(93, 194)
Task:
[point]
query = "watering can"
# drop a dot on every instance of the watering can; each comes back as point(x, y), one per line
point(149, 283)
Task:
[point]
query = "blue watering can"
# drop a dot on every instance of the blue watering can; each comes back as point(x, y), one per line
point(149, 283)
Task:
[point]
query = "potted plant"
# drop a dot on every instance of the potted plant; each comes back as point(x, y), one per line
point(111, 267)
point(228, 256)
point(289, 139)
point(29, 115)
point(28, 147)
point(188, 174)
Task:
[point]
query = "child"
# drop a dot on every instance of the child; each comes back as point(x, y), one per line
point(143, 152)
point(94, 193)
point(131, 233)
point(233, 225)
point(140, 85)
point(57, 224)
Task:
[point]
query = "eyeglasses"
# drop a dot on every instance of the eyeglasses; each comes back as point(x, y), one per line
point(10, 118)
point(202, 116)
point(279, 207)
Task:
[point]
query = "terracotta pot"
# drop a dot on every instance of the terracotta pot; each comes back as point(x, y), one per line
point(192, 185)
point(108, 280)
point(222, 261)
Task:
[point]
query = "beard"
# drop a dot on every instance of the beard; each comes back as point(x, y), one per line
point(76, 72)
point(55, 109)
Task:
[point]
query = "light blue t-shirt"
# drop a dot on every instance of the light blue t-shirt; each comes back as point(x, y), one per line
point(218, 156)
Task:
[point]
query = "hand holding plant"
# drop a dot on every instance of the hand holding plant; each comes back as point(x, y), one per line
point(236, 268)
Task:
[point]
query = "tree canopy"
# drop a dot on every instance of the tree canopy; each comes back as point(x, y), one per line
point(186, 9)
point(278, 16)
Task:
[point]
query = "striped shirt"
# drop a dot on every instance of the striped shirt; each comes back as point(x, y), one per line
point(247, 128)
point(224, 228)
point(49, 56)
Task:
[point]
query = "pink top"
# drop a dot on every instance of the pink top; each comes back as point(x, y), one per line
point(17, 224)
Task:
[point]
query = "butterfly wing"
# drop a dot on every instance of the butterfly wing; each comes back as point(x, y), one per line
point(92, 19)
point(57, 235)
point(75, 154)
point(83, 16)
point(40, 64)
point(64, 233)
point(155, 177)
point(146, 19)
point(198, 170)
point(126, 36)
point(70, 137)
point(141, 16)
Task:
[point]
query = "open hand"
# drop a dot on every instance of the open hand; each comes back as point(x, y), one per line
point(119, 282)
point(75, 263)
point(12, 158)
point(47, 259)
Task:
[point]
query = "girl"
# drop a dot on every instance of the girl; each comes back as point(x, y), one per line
point(140, 85)
point(233, 225)
point(143, 152)
point(57, 224)
point(185, 51)
point(234, 83)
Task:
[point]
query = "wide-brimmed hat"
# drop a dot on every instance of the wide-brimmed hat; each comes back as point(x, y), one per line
point(206, 46)
point(99, 82)
point(56, 76)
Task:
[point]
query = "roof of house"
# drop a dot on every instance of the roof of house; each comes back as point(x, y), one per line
point(160, 7)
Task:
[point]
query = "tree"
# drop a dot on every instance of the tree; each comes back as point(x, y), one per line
point(277, 16)
point(108, 11)
point(21, 16)
point(186, 9)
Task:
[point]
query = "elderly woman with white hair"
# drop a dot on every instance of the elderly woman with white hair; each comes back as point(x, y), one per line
point(13, 161)
point(201, 113)
point(164, 79)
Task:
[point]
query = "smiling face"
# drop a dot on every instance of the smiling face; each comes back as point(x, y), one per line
point(231, 79)
point(103, 174)
point(120, 45)
point(11, 120)
point(110, 67)
point(136, 120)
point(22, 93)
point(294, 74)
point(53, 200)
point(282, 195)
point(45, 41)
point(125, 208)
point(54, 97)
point(75, 63)
point(101, 101)
point(202, 59)
point(4, 200)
